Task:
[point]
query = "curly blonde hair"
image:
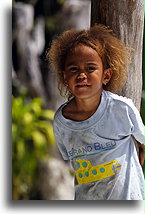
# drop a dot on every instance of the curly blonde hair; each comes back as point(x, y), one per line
point(112, 51)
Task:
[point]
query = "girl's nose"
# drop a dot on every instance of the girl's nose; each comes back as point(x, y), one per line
point(81, 76)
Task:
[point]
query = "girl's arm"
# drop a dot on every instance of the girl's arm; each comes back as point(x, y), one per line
point(141, 153)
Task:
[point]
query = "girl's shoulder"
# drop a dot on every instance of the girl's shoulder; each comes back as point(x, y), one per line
point(60, 109)
point(62, 113)
point(119, 101)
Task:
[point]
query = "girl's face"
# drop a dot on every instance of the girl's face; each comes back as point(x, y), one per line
point(84, 74)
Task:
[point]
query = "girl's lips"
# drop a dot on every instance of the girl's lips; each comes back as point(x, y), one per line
point(81, 85)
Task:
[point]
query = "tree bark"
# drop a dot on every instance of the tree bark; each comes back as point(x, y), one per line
point(125, 18)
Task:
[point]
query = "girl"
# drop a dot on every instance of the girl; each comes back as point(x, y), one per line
point(96, 128)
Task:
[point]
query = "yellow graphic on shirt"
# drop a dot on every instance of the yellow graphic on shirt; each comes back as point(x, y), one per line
point(87, 173)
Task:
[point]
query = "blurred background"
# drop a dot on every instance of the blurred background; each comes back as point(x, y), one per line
point(38, 171)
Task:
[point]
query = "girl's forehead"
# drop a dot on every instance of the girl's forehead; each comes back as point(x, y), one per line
point(81, 49)
point(82, 54)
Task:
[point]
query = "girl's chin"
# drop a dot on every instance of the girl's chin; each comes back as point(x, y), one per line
point(85, 94)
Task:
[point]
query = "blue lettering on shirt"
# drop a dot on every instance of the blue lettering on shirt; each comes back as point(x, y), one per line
point(108, 145)
point(91, 149)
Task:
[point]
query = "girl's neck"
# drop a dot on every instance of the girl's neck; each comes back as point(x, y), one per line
point(81, 109)
point(87, 105)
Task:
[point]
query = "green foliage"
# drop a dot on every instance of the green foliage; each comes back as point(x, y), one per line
point(32, 141)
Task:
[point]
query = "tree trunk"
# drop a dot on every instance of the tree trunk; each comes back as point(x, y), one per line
point(125, 17)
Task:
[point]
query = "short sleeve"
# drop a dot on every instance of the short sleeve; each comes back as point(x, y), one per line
point(59, 142)
point(138, 129)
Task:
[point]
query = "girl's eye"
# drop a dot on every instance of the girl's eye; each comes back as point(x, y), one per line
point(73, 69)
point(91, 69)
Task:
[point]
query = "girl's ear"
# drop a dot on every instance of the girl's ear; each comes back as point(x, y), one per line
point(107, 75)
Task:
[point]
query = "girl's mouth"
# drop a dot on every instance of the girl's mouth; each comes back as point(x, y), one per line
point(82, 85)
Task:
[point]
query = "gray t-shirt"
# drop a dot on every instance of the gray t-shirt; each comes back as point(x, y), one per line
point(102, 150)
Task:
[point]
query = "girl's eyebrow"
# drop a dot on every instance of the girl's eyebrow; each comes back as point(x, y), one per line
point(92, 63)
point(87, 63)
point(70, 64)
